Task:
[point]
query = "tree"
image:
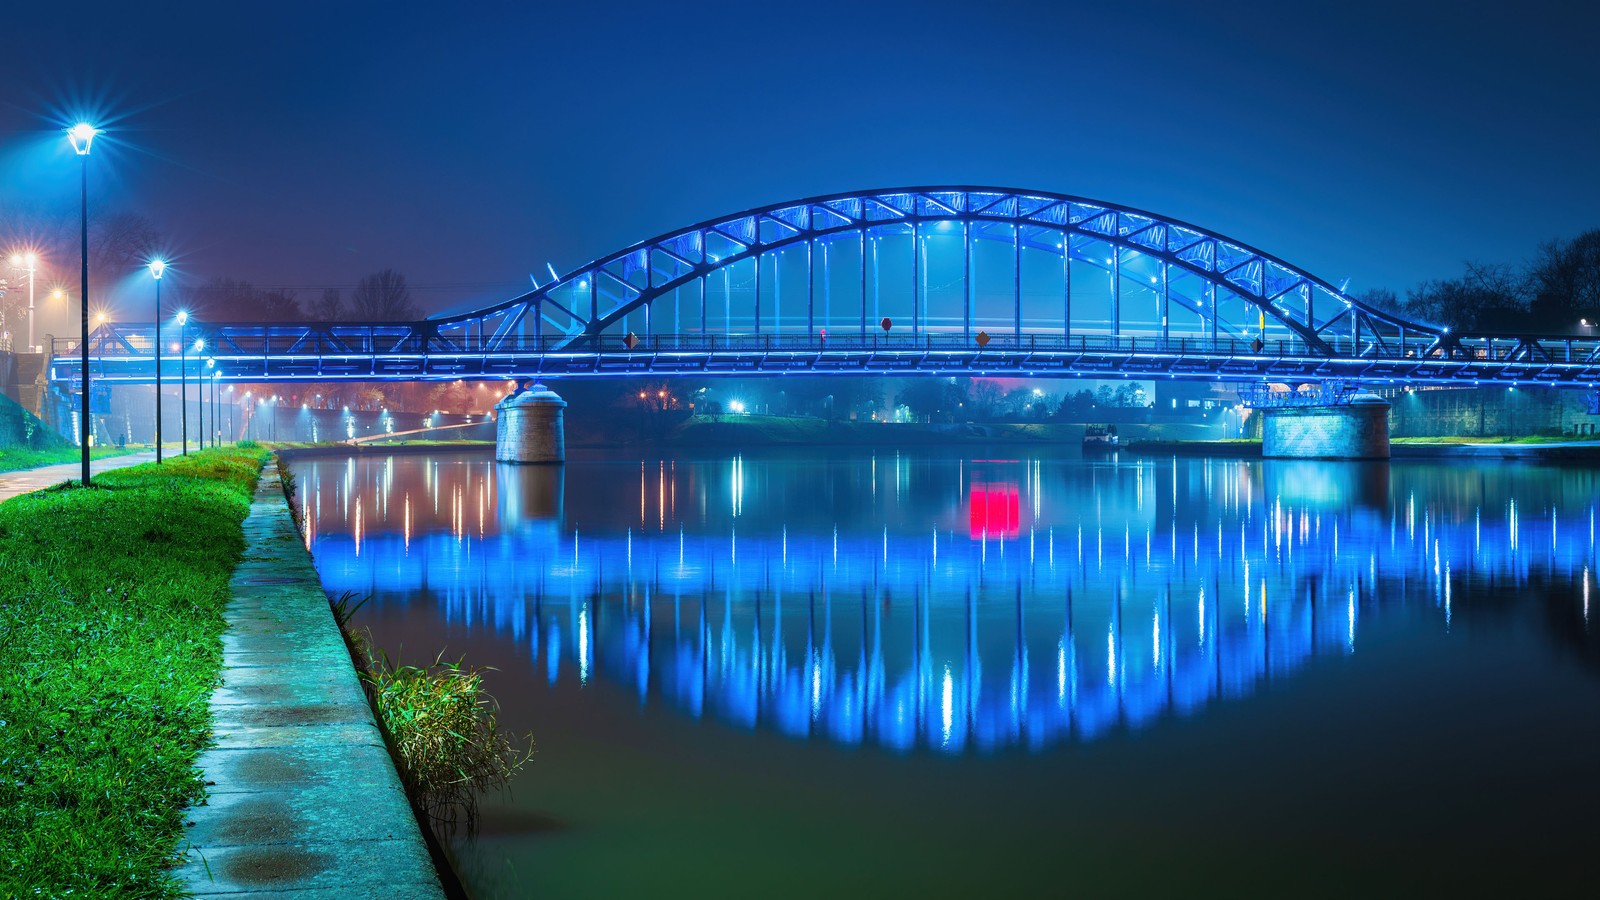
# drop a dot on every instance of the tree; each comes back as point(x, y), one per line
point(328, 307)
point(222, 299)
point(927, 396)
point(120, 244)
point(383, 297)
point(985, 398)
point(1564, 280)
point(1485, 296)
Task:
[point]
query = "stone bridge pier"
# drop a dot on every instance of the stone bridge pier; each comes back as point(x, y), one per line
point(1355, 429)
point(529, 427)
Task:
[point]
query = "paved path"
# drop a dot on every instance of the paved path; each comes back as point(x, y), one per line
point(305, 801)
point(26, 481)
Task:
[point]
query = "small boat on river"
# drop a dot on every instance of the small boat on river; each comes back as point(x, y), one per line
point(1100, 439)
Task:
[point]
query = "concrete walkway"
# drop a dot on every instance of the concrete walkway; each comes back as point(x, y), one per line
point(26, 481)
point(304, 801)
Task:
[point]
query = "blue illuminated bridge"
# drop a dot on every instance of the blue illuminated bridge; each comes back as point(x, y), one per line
point(938, 280)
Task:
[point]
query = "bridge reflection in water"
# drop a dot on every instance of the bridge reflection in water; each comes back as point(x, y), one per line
point(968, 605)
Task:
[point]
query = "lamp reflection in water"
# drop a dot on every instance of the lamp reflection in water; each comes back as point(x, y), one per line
point(1099, 616)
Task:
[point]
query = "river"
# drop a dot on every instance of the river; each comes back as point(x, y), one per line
point(999, 671)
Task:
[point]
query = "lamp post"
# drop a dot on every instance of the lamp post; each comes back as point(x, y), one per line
point(216, 407)
point(200, 388)
point(81, 136)
point(157, 269)
point(30, 262)
point(183, 379)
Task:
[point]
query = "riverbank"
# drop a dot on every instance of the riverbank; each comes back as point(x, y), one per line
point(111, 607)
point(303, 794)
point(1399, 448)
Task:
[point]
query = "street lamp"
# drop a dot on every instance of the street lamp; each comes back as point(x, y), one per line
point(158, 267)
point(30, 262)
point(81, 136)
point(183, 379)
point(200, 388)
point(201, 385)
point(216, 407)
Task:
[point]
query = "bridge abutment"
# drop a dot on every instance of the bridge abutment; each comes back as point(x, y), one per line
point(1358, 429)
point(529, 428)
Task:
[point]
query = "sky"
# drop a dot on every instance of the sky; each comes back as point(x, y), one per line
point(467, 146)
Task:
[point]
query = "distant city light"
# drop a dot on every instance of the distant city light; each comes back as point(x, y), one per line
point(736, 406)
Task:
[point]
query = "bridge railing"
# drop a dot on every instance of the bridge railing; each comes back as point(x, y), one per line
point(311, 342)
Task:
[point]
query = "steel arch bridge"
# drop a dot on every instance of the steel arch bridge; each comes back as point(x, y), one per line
point(934, 280)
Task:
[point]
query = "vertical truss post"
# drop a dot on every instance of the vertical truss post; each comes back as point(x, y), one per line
point(811, 289)
point(863, 280)
point(1211, 300)
point(1016, 281)
point(1166, 302)
point(877, 279)
point(594, 300)
point(827, 288)
point(704, 329)
point(916, 291)
point(966, 280)
point(1116, 291)
point(1066, 284)
point(758, 283)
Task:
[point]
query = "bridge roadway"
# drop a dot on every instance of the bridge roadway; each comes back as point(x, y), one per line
point(323, 353)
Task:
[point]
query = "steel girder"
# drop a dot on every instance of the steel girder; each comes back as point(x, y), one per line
point(598, 296)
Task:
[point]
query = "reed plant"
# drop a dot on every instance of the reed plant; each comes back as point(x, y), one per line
point(441, 724)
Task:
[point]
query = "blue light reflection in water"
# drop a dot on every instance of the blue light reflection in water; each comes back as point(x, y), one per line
point(943, 603)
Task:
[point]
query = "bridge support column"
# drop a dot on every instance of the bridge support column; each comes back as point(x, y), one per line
point(1358, 429)
point(529, 427)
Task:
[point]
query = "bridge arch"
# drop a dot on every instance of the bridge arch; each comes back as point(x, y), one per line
point(942, 264)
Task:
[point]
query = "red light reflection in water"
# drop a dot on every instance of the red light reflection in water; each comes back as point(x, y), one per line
point(994, 510)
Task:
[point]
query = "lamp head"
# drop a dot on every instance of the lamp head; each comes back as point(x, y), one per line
point(81, 136)
point(157, 267)
point(183, 317)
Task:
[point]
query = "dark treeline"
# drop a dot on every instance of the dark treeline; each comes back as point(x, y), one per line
point(123, 243)
point(1557, 291)
point(379, 297)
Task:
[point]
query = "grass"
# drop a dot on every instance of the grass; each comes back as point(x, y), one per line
point(14, 458)
point(111, 603)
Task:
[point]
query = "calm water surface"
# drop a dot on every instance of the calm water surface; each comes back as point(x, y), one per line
point(983, 673)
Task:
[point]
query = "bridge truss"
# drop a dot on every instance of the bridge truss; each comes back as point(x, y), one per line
point(944, 280)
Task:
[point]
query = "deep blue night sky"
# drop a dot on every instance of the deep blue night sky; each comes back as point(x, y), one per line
point(294, 145)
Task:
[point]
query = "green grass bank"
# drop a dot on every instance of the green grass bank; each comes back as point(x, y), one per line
point(111, 612)
point(14, 458)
